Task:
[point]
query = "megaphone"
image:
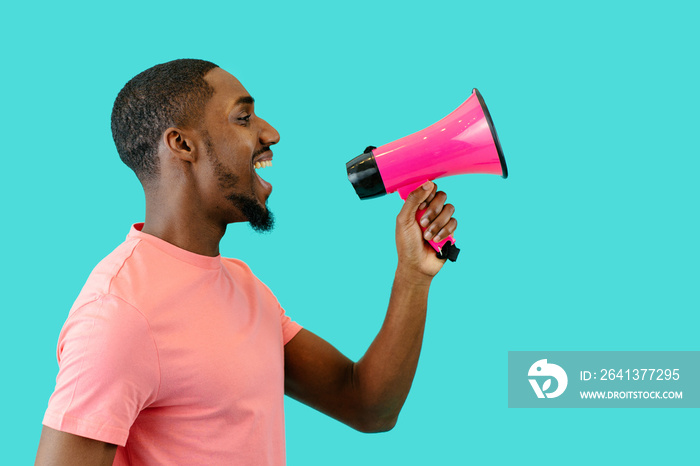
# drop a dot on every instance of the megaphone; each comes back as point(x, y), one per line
point(463, 142)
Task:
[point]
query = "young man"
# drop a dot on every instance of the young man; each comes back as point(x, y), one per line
point(174, 355)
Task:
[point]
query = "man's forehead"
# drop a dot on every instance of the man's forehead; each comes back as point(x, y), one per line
point(227, 89)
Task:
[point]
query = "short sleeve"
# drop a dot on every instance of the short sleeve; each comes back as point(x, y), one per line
point(289, 327)
point(108, 371)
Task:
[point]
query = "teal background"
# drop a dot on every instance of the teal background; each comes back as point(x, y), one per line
point(590, 244)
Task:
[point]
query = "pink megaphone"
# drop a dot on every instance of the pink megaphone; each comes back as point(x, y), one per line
point(465, 141)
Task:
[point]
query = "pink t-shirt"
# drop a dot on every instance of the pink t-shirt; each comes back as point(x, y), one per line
point(177, 358)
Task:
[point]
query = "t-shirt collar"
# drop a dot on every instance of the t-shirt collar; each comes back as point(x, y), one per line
point(198, 260)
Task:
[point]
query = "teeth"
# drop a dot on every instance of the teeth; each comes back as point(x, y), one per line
point(263, 164)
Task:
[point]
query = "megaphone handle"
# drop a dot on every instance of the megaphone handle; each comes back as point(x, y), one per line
point(445, 248)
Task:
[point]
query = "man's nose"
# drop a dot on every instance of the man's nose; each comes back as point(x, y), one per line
point(268, 134)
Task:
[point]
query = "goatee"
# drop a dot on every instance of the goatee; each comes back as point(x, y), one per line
point(260, 218)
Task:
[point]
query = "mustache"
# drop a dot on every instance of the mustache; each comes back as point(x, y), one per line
point(261, 151)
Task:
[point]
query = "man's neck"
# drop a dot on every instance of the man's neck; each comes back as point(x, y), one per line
point(188, 230)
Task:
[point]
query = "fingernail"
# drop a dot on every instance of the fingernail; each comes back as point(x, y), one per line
point(427, 235)
point(424, 222)
point(437, 239)
point(422, 206)
point(427, 185)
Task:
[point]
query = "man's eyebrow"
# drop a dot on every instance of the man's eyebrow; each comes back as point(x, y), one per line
point(246, 99)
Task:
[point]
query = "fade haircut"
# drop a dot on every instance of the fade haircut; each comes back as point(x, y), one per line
point(169, 94)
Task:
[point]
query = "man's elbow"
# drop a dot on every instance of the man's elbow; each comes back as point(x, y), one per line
point(373, 424)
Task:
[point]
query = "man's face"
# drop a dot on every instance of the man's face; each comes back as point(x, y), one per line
point(236, 141)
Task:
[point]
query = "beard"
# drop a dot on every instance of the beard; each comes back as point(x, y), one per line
point(259, 216)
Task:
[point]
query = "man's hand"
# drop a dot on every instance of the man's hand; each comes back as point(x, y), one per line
point(417, 259)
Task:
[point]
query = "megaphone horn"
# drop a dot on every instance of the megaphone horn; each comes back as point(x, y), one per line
point(463, 142)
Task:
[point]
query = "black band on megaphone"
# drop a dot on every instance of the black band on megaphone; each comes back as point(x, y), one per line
point(494, 134)
point(364, 175)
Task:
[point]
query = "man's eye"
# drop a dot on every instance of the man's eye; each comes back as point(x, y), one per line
point(245, 119)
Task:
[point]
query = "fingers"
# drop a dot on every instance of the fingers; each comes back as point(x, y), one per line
point(418, 197)
point(425, 203)
point(437, 218)
point(435, 215)
point(446, 231)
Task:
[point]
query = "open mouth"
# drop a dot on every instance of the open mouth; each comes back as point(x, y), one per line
point(263, 162)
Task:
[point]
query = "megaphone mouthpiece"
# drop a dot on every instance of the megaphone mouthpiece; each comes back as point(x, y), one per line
point(364, 175)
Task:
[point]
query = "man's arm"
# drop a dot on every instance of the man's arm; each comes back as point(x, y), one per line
point(368, 395)
point(58, 448)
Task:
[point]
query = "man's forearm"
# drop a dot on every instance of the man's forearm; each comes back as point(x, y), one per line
point(384, 375)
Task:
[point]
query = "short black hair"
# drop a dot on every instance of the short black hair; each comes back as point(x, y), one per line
point(169, 94)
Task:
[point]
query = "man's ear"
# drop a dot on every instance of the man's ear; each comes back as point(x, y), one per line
point(180, 143)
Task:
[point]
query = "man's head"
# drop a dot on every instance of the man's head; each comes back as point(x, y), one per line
point(189, 127)
point(169, 94)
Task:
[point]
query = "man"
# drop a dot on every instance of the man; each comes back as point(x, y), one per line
point(175, 355)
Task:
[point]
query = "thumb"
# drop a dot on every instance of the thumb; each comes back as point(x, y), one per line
point(407, 216)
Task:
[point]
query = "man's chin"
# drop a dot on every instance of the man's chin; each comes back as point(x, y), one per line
point(264, 224)
point(259, 216)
